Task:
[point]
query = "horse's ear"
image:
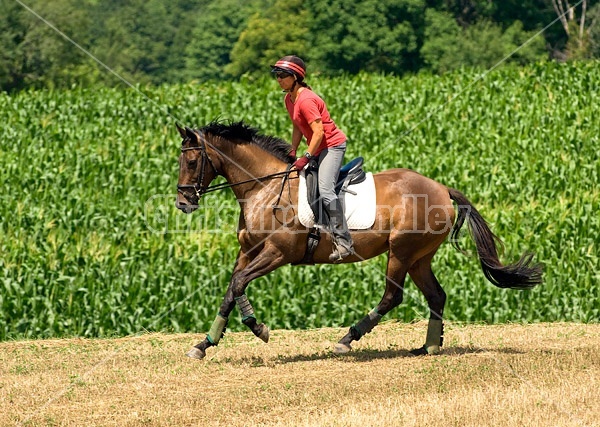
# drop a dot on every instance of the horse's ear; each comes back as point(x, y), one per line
point(189, 133)
point(180, 130)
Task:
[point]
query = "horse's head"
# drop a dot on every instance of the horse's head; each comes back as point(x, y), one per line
point(196, 169)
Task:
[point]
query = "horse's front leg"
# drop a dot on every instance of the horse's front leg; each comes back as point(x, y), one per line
point(215, 333)
point(245, 271)
point(217, 330)
point(249, 319)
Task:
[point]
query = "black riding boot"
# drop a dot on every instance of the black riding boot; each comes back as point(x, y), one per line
point(339, 232)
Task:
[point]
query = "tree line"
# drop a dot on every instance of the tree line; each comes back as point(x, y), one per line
point(160, 41)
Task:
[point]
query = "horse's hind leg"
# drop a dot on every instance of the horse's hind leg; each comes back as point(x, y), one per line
point(392, 297)
point(423, 276)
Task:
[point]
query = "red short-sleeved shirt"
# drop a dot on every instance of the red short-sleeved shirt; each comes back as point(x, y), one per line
point(308, 108)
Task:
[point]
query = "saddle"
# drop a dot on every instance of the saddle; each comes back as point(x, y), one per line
point(351, 173)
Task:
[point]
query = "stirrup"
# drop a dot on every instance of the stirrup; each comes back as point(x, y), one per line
point(340, 253)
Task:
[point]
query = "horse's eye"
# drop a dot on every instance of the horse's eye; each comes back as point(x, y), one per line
point(192, 164)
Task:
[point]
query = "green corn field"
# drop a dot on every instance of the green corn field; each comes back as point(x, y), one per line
point(92, 245)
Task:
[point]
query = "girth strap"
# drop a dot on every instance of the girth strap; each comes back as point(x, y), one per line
point(314, 237)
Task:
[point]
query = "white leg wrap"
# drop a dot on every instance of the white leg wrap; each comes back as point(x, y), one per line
point(216, 330)
point(433, 341)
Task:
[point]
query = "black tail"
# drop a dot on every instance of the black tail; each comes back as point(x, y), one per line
point(521, 275)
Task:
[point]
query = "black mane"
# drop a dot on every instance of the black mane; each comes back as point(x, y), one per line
point(241, 133)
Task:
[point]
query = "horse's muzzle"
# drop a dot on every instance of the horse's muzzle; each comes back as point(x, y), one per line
point(184, 205)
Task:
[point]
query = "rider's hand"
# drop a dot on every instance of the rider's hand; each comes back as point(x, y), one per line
point(292, 153)
point(301, 163)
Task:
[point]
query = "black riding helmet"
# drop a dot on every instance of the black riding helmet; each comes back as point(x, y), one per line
point(290, 64)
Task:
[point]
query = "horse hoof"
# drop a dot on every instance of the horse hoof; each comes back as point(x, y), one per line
point(433, 349)
point(264, 333)
point(341, 348)
point(430, 350)
point(196, 353)
point(419, 351)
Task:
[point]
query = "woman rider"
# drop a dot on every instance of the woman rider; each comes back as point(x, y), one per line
point(326, 143)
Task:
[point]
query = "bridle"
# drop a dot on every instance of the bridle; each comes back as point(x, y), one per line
point(200, 189)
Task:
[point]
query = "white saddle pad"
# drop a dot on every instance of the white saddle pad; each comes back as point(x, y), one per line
point(359, 209)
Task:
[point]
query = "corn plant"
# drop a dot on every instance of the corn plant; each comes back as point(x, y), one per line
point(92, 245)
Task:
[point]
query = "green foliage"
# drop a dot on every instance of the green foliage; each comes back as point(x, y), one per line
point(214, 33)
point(372, 35)
point(13, 30)
point(280, 30)
point(483, 44)
point(157, 42)
point(34, 55)
point(586, 44)
point(593, 17)
point(92, 245)
point(136, 39)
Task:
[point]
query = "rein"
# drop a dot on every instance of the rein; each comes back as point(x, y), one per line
point(225, 185)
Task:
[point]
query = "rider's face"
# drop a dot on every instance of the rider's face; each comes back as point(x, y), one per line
point(285, 80)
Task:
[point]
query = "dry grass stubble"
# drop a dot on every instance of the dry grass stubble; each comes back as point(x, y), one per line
point(505, 375)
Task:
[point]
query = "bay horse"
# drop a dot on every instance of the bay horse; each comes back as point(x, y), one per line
point(414, 216)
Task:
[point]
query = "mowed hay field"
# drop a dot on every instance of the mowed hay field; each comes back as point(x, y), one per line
point(488, 375)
